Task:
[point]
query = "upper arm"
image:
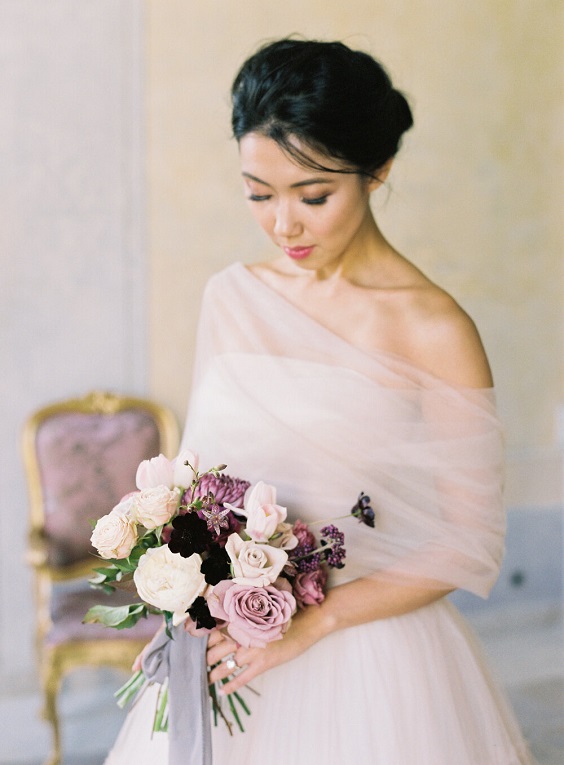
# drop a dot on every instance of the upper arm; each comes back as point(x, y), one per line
point(447, 343)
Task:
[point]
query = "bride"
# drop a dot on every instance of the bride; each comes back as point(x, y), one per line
point(333, 368)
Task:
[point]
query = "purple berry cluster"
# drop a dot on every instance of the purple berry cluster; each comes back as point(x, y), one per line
point(305, 558)
point(333, 541)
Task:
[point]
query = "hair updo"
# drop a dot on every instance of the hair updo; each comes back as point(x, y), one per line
point(334, 100)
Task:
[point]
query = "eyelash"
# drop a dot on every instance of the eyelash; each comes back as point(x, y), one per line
point(316, 201)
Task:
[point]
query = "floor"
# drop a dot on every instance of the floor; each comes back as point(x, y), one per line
point(527, 654)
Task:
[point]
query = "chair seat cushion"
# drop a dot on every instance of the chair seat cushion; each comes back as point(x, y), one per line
point(71, 601)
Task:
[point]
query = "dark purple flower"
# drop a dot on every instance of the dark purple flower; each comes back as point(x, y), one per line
point(200, 614)
point(216, 566)
point(363, 511)
point(189, 535)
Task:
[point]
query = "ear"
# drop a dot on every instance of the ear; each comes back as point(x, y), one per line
point(380, 175)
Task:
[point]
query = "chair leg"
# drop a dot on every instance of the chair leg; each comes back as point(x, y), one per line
point(51, 687)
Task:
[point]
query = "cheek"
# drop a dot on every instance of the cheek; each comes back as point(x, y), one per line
point(261, 215)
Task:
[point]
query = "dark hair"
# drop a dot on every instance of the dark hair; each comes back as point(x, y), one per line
point(337, 101)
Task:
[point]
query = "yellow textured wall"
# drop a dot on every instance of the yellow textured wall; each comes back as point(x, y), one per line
point(474, 198)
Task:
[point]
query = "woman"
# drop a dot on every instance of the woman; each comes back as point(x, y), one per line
point(334, 368)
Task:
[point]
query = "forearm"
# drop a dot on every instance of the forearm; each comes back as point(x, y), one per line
point(361, 601)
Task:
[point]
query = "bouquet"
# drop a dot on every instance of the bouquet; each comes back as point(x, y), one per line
point(210, 548)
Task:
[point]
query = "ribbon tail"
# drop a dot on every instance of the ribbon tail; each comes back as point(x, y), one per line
point(183, 661)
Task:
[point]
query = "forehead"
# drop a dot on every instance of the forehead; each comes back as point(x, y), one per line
point(263, 158)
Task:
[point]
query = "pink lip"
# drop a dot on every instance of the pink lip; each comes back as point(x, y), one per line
point(298, 253)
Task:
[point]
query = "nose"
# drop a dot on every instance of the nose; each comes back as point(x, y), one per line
point(286, 223)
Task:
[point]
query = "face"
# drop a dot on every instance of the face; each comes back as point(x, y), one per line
point(317, 218)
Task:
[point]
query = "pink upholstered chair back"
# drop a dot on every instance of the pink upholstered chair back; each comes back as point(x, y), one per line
point(87, 462)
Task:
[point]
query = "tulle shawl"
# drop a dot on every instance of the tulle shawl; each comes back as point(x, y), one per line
point(280, 398)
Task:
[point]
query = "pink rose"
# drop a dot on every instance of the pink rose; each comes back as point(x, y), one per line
point(157, 471)
point(255, 615)
point(309, 587)
point(304, 535)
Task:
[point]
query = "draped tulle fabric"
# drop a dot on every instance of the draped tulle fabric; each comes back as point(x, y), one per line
point(282, 399)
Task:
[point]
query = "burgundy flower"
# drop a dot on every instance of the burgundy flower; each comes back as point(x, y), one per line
point(200, 614)
point(216, 566)
point(189, 535)
point(363, 511)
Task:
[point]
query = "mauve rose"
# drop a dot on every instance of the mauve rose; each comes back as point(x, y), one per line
point(115, 534)
point(183, 475)
point(157, 471)
point(254, 564)
point(262, 513)
point(303, 533)
point(155, 507)
point(255, 616)
point(309, 587)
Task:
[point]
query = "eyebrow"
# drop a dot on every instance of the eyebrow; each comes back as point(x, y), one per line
point(308, 182)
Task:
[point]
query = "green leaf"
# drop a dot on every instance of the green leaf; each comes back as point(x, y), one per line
point(119, 617)
point(168, 622)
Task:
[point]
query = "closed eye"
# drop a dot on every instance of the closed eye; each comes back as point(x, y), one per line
point(259, 197)
point(316, 201)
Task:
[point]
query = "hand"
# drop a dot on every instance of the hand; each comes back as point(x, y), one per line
point(252, 661)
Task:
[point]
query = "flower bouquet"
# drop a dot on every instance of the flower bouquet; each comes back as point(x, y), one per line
point(212, 551)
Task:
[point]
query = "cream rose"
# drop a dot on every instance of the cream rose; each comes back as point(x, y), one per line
point(257, 565)
point(155, 507)
point(168, 581)
point(115, 534)
point(158, 471)
point(284, 537)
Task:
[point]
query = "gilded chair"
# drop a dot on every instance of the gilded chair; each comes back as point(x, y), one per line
point(80, 457)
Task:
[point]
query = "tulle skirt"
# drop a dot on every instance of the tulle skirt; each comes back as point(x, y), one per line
point(409, 690)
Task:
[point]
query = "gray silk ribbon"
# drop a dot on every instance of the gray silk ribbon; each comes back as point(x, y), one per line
point(183, 661)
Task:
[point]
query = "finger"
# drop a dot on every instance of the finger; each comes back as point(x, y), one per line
point(215, 637)
point(238, 681)
point(138, 660)
point(220, 651)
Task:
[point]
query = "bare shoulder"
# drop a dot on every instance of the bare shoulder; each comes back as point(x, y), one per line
point(445, 340)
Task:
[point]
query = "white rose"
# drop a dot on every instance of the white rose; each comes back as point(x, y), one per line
point(168, 581)
point(184, 474)
point(157, 471)
point(155, 507)
point(257, 565)
point(114, 535)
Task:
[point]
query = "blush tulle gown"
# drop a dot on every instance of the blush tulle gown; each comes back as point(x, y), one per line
point(282, 399)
